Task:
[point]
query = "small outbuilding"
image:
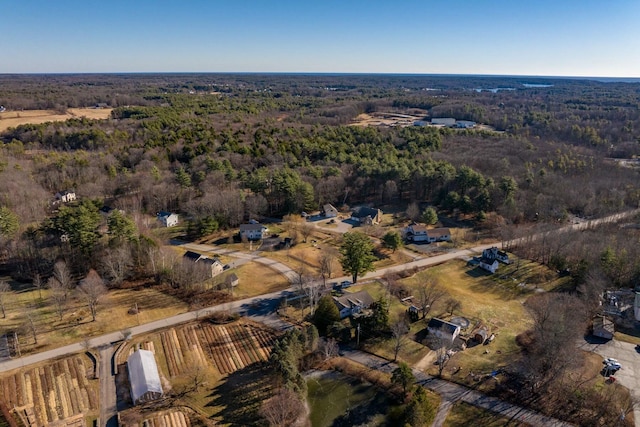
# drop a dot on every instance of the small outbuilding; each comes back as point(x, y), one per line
point(603, 327)
point(144, 377)
point(329, 211)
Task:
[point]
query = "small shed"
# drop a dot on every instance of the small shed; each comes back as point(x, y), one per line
point(232, 281)
point(603, 327)
point(144, 377)
point(480, 334)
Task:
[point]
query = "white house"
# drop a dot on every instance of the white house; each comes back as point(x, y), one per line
point(443, 329)
point(329, 211)
point(417, 233)
point(439, 235)
point(65, 196)
point(353, 303)
point(465, 124)
point(168, 219)
point(490, 265)
point(215, 266)
point(494, 253)
point(144, 377)
point(254, 231)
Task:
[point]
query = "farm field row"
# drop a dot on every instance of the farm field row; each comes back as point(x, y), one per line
point(59, 390)
point(227, 347)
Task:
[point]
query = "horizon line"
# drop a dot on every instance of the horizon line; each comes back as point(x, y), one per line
point(326, 73)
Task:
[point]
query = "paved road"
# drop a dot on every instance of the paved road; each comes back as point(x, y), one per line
point(108, 397)
point(629, 375)
point(451, 392)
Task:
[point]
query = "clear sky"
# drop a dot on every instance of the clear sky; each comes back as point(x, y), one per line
point(540, 37)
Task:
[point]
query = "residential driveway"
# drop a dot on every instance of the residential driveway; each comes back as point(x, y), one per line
point(629, 358)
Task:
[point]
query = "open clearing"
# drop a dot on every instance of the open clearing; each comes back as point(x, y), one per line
point(56, 393)
point(9, 119)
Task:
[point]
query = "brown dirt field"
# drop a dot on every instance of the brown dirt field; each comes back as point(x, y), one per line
point(385, 119)
point(10, 119)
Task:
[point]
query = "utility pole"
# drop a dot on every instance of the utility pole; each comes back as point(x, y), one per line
point(15, 337)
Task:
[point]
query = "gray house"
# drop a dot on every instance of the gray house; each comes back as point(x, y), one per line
point(367, 216)
point(353, 303)
point(443, 329)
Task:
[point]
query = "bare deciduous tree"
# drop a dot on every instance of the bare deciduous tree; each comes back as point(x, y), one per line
point(62, 274)
point(282, 409)
point(5, 290)
point(38, 284)
point(116, 265)
point(328, 264)
point(399, 331)
point(58, 296)
point(548, 351)
point(306, 230)
point(93, 288)
point(329, 348)
point(452, 305)
point(429, 293)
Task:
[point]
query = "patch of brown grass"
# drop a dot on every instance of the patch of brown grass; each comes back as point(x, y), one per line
point(10, 119)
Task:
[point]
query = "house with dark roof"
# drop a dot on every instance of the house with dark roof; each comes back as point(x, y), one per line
point(253, 231)
point(367, 216)
point(232, 281)
point(65, 196)
point(443, 329)
point(167, 219)
point(215, 266)
point(352, 303)
point(417, 233)
point(495, 253)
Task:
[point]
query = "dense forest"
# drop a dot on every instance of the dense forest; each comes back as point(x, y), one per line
point(221, 149)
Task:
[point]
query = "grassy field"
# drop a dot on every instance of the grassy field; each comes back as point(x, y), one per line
point(76, 324)
point(10, 119)
point(491, 300)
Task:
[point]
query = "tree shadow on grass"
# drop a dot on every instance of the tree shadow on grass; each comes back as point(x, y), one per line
point(241, 395)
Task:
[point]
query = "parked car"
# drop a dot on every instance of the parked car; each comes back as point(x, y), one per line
point(609, 360)
point(346, 284)
point(613, 366)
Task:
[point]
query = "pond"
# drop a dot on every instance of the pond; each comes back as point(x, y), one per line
point(337, 400)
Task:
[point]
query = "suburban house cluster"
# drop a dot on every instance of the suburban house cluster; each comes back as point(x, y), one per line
point(418, 233)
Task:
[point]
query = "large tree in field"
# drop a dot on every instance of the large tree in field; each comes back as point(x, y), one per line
point(356, 254)
point(93, 288)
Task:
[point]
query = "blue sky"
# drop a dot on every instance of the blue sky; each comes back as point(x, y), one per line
point(543, 37)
